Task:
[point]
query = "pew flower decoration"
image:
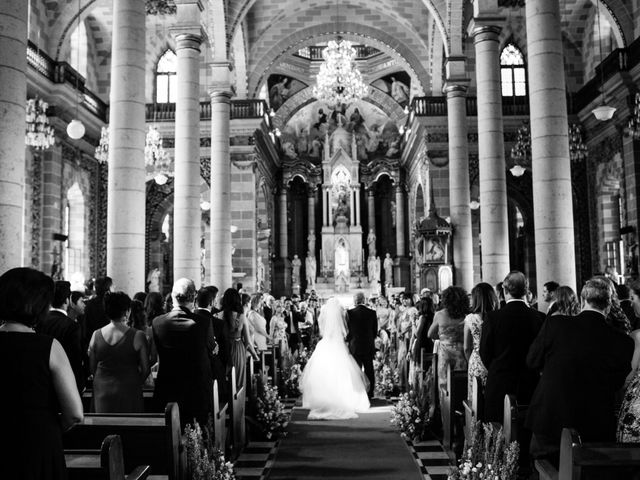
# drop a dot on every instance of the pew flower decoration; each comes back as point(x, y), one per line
point(270, 416)
point(487, 456)
point(205, 462)
point(292, 381)
point(302, 357)
point(409, 418)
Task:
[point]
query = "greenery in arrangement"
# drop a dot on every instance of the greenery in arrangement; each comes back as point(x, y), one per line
point(269, 416)
point(292, 381)
point(160, 7)
point(412, 414)
point(385, 374)
point(487, 457)
point(204, 461)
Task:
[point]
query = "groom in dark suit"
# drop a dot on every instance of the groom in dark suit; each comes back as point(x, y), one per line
point(363, 328)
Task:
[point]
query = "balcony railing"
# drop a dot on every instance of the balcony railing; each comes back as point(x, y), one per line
point(314, 52)
point(240, 109)
point(437, 106)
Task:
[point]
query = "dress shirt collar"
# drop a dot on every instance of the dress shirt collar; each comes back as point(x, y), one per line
point(64, 312)
point(518, 300)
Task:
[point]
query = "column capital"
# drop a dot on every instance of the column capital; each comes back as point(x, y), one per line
point(485, 28)
point(399, 188)
point(190, 38)
point(219, 95)
point(370, 191)
point(456, 87)
point(311, 192)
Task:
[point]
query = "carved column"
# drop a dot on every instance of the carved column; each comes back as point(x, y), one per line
point(187, 218)
point(284, 245)
point(13, 96)
point(311, 206)
point(492, 169)
point(551, 167)
point(326, 208)
point(400, 247)
point(220, 212)
point(371, 208)
point(358, 214)
point(459, 190)
point(126, 190)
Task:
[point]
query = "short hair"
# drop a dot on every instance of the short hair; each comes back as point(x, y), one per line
point(551, 286)
point(597, 293)
point(255, 300)
point(455, 301)
point(102, 285)
point(137, 317)
point(359, 298)
point(622, 291)
point(205, 297)
point(515, 284)
point(484, 298)
point(231, 301)
point(25, 295)
point(116, 304)
point(183, 291)
point(153, 306)
point(75, 296)
point(567, 301)
point(61, 293)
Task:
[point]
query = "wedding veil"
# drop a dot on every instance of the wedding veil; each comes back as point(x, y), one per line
point(332, 321)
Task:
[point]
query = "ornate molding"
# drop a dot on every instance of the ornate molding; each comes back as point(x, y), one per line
point(36, 209)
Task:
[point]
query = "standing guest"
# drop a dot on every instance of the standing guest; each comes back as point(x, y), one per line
point(549, 295)
point(635, 297)
point(448, 327)
point(37, 382)
point(624, 296)
point(76, 307)
point(257, 323)
point(616, 316)
point(58, 325)
point(363, 327)
point(483, 301)
point(182, 340)
point(137, 319)
point(506, 336)
point(292, 325)
point(140, 296)
point(305, 324)
point(500, 293)
point(566, 302)
point(118, 359)
point(267, 307)
point(205, 300)
point(168, 303)
point(628, 430)
point(583, 362)
point(426, 312)
point(237, 335)
point(278, 329)
point(94, 309)
point(386, 321)
point(407, 320)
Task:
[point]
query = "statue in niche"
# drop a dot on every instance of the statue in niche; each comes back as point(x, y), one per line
point(311, 239)
point(278, 93)
point(373, 269)
point(342, 259)
point(303, 141)
point(342, 209)
point(399, 92)
point(153, 280)
point(259, 272)
point(388, 269)
point(289, 150)
point(433, 250)
point(310, 267)
point(57, 269)
point(296, 263)
point(371, 243)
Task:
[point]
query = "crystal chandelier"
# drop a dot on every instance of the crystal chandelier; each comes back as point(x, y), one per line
point(602, 112)
point(39, 133)
point(577, 148)
point(633, 127)
point(339, 81)
point(102, 150)
point(521, 151)
point(156, 157)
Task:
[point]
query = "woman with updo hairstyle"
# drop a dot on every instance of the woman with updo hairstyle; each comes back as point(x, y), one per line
point(448, 327)
point(118, 359)
point(566, 302)
point(39, 397)
point(236, 329)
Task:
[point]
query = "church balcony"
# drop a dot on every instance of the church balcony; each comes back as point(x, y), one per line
point(240, 109)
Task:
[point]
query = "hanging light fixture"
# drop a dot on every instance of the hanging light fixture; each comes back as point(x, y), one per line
point(39, 133)
point(76, 129)
point(602, 112)
point(633, 126)
point(521, 151)
point(577, 147)
point(156, 157)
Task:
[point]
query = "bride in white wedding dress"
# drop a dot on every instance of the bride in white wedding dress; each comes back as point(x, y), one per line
point(333, 386)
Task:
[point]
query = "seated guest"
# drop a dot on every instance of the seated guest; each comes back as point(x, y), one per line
point(448, 327)
point(483, 301)
point(183, 341)
point(583, 363)
point(37, 382)
point(118, 359)
point(566, 302)
point(58, 325)
point(506, 336)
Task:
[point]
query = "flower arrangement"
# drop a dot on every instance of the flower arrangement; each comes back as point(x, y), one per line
point(487, 457)
point(205, 462)
point(409, 417)
point(386, 376)
point(292, 380)
point(269, 415)
point(302, 357)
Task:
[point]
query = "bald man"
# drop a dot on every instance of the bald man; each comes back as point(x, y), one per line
point(183, 340)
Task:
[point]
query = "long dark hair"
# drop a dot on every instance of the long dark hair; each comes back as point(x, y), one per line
point(484, 299)
point(25, 296)
point(153, 306)
point(231, 303)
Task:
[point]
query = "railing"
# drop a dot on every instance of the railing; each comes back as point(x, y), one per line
point(62, 72)
point(240, 109)
point(314, 52)
point(437, 106)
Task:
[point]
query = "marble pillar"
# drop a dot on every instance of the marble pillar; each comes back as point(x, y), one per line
point(400, 247)
point(459, 190)
point(371, 208)
point(551, 167)
point(186, 210)
point(492, 169)
point(311, 210)
point(358, 214)
point(220, 212)
point(284, 245)
point(13, 97)
point(126, 184)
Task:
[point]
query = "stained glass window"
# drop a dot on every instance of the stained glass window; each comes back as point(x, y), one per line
point(166, 78)
point(512, 72)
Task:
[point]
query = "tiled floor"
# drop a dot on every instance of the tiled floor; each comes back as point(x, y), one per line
point(434, 463)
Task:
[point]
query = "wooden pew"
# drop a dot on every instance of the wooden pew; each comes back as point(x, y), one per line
point(147, 439)
point(238, 427)
point(147, 396)
point(219, 420)
point(473, 410)
point(618, 460)
point(106, 463)
point(451, 396)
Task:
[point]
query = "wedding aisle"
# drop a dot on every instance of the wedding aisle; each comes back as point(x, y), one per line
point(367, 447)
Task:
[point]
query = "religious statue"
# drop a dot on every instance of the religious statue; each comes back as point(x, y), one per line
point(388, 269)
point(296, 263)
point(371, 243)
point(259, 273)
point(57, 269)
point(278, 93)
point(373, 269)
point(310, 267)
point(312, 241)
point(433, 250)
point(342, 209)
point(153, 280)
point(399, 92)
point(342, 259)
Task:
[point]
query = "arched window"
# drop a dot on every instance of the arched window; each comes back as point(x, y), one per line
point(512, 71)
point(166, 78)
point(79, 52)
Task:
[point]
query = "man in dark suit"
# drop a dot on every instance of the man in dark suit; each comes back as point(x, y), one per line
point(584, 362)
point(291, 318)
point(506, 337)
point(205, 307)
point(363, 328)
point(58, 325)
point(94, 316)
point(183, 342)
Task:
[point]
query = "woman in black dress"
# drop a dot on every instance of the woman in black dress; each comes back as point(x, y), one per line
point(40, 398)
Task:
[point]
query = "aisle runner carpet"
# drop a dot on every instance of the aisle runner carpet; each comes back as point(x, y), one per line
point(367, 447)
